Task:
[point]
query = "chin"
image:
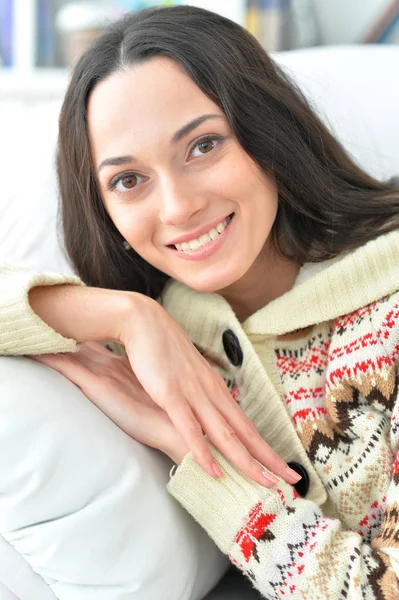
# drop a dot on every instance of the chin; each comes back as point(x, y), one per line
point(206, 288)
point(213, 284)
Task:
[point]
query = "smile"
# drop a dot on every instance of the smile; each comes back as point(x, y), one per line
point(206, 245)
point(204, 239)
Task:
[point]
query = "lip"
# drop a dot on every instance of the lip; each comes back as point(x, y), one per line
point(209, 249)
point(198, 232)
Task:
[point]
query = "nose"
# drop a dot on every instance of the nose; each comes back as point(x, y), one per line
point(179, 200)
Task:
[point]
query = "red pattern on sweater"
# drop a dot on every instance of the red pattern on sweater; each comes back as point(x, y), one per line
point(313, 359)
point(254, 529)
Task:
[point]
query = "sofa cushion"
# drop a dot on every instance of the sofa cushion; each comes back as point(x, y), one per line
point(85, 505)
point(355, 90)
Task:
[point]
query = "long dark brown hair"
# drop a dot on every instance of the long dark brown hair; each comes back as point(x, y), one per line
point(327, 204)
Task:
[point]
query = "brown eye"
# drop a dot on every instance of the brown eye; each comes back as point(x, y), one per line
point(125, 182)
point(129, 181)
point(205, 147)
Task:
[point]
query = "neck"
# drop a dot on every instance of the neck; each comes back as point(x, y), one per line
point(267, 279)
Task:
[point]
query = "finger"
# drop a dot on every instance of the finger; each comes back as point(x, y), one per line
point(223, 386)
point(186, 424)
point(258, 448)
point(252, 440)
point(224, 437)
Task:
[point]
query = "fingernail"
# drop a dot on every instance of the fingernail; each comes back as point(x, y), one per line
point(272, 479)
point(217, 471)
point(292, 475)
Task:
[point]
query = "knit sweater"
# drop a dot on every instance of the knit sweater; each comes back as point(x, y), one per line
point(317, 372)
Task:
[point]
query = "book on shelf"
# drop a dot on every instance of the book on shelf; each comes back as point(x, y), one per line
point(45, 38)
point(129, 5)
point(282, 24)
point(385, 30)
point(6, 33)
point(253, 18)
point(265, 19)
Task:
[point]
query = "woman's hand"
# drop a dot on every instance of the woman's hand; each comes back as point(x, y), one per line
point(192, 396)
point(181, 382)
point(109, 382)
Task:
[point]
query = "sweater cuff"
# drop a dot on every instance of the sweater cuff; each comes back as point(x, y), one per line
point(22, 331)
point(223, 506)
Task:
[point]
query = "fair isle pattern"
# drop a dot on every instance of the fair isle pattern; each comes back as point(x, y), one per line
point(258, 535)
point(304, 566)
point(340, 383)
point(324, 392)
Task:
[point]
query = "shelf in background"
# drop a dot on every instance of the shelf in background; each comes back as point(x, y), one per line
point(33, 83)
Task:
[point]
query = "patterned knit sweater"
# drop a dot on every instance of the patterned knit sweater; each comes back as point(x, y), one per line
point(317, 372)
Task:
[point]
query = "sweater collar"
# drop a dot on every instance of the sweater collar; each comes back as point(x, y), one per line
point(336, 287)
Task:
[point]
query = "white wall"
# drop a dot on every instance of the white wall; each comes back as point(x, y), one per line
point(346, 21)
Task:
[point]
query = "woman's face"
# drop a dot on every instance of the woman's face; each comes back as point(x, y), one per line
point(175, 180)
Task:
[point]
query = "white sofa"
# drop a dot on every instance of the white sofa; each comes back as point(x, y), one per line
point(84, 513)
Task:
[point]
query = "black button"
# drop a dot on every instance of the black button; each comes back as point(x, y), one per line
point(302, 486)
point(232, 348)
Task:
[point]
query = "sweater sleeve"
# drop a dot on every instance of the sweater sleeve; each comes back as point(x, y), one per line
point(21, 329)
point(284, 543)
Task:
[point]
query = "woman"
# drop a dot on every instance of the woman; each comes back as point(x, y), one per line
point(193, 172)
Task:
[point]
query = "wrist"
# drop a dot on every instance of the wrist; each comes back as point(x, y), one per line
point(132, 306)
point(177, 453)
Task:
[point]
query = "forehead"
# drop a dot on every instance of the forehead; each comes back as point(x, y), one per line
point(151, 99)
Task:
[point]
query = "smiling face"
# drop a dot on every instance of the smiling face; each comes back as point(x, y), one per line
point(174, 179)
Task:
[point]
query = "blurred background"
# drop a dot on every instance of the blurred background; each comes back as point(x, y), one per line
point(41, 39)
point(344, 55)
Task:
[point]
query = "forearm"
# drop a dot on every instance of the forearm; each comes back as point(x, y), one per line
point(44, 313)
point(83, 313)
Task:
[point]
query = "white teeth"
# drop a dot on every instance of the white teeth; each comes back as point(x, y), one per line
point(205, 239)
point(194, 245)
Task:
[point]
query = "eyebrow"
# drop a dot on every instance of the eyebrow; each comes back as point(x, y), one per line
point(179, 135)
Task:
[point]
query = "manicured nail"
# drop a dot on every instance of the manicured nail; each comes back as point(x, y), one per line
point(272, 479)
point(292, 475)
point(217, 471)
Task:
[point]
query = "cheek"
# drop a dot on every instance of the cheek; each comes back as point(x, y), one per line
point(132, 224)
point(247, 182)
point(258, 193)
